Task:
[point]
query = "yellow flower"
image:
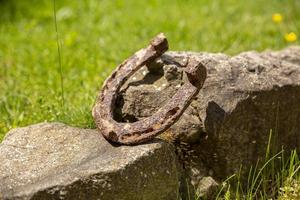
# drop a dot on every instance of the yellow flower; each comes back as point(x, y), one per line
point(277, 18)
point(290, 37)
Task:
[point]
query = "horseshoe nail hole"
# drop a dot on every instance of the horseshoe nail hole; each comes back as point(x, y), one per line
point(136, 134)
point(171, 112)
point(114, 75)
point(112, 135)
point(149, 130)
point(130, 135)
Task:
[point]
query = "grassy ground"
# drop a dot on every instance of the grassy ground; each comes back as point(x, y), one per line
point(277, 176)
point(95, 36)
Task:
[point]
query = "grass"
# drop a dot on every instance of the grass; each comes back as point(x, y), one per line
point(275, 177)
point(51, 70)
point(263, 183)
point(95, 36)
point(59, 55)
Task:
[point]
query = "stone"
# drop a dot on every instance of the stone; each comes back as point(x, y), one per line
point(56, 161)
point(244, 99)
point(207, 188)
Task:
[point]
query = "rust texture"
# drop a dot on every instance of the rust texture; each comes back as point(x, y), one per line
point(147, 128)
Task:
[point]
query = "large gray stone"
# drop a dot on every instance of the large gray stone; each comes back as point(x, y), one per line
point(226, 126)
point(229, 123)
point(56, 161)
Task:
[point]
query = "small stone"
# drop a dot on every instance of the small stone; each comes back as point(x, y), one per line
point(207, 188)
point(172, 72)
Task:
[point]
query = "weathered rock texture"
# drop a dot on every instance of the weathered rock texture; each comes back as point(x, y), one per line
point(55, 161)
point(228, 124)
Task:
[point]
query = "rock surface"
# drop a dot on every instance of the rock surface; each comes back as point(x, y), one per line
point(207, 188)
point(226, 126)
point(229, 123)
point(56, 161)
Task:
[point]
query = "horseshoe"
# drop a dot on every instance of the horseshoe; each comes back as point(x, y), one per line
point(147, 128)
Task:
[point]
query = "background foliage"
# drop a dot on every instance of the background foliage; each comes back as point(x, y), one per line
point(95, 36)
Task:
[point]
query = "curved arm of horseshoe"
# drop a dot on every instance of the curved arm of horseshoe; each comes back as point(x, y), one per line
point(147, 128)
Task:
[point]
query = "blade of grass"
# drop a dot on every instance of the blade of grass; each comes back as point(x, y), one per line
point(261, 170)
point(59, 56)
point(223, 185)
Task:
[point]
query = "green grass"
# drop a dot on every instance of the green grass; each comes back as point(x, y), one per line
point(49, 75)
point(266, 183)
point(275, 177)
point(95, 36)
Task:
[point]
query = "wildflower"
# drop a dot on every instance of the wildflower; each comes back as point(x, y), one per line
point(277, 18)
point(290, 37)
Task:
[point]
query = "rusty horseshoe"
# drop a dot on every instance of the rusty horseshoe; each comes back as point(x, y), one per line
point(147, 128)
